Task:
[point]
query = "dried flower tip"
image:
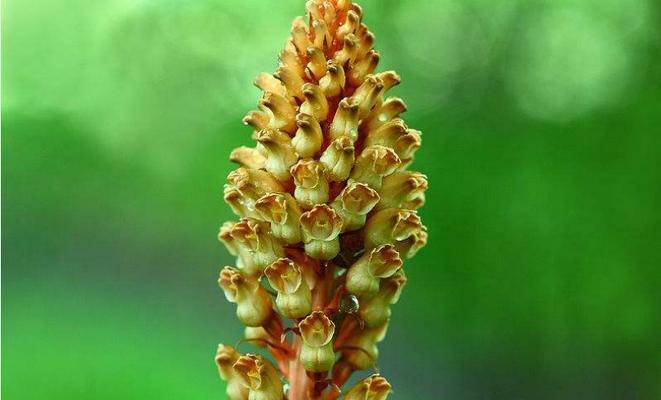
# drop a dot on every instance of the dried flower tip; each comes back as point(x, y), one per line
point(309, 137)
point(317, 332)
point(373, 164)
point(376, 311)
point(248, 157)
point(391, 225)
point(334, 81)
point(311, 184)
point(350, 26)
point(404, 189)
point(349, 51)
point(269, 84)
point(315, 102)
point(345, 122)
point(255, 236)
point(321, 228)
point(353, 204)
point(367, 95)
point(316, 67)
point(387, 111)
point(294, 299)
point(299, 35)
point(338, 159)
point(373, 388)
point(364, 276)
point(282, 211)
point(260, 377)
point(225, 358)
point(280, 155)
point(282, 112)
point(253, 305)
point(291, 80)
point(364, 67)
point(258, 120)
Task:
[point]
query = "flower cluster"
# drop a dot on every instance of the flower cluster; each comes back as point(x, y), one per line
point(327, 214)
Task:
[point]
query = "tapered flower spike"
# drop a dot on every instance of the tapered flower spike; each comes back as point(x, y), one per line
point(326, 213)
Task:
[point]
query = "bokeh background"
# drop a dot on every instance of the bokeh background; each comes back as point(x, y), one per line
point(541, 124)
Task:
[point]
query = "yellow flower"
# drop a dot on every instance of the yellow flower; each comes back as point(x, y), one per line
point(253, 305)
point(317, 333)
point(225, 358)
point(294, 298)
point(260, 377)
point(364, 276)
point(321, 229)
point(374, 387)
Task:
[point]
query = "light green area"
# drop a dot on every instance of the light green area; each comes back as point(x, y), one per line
point(541, 143)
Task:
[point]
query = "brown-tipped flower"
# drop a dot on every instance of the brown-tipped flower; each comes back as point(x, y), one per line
point(338, 159)
point(299, 35)
point(248, 157)
point(258, 120)
point(269, 84)
point(225, 358)
point(279, 153)
point(373, 388)
point(390, 79)
point(404, 189)
point(321, 228)
point(243, 258)
point(291, 80)
point(373, 164)
point(397, 136)
point(375, 311)
point(364, 276)
point(311, 183)
point(282, 211)
point(361, 348)
point(309, 136)
point(345, 122)
point(316, 67)
point(294, 299)
point(253, 305)
point(255, 236)
point(353, 204)
point(364, 67)
point(409, 247)
point(349, 51)
point(392, 225)
point(245, 186)
point(334, 81)
point(317, 332)
point(260, 377)
point(350, 26)
point(282, 112)
point(384, 112)
point(315, 103)
point(368, 94)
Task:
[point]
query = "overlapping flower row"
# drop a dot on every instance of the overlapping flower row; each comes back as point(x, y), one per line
point(328, 212)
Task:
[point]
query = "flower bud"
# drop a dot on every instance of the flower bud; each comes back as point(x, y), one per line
point(316, 68)
point(225, 358)
point(365, 42)
point(338, 159)
point(248, 157)
point(280, 155)
point(353, 204)
point(373, 388)
point(366, 340)
point(291, 81)
point(364, 276)
point(258, 120)
point(245, 186)
point(299, 35)
point(350, 26)
point(321, 228)
point(260, 377)
point(392, 225)
point(367, 95)
point(403, 190)
point(244, 260)
point(309, 136)
point(253, 305)
point(409, 247)
point(289, 58)
point(375, 311)
point(373, 164)
point(334, 81)
point(349, 51)
point(311, 184)
point(389, 79)
point(294, 298)
point(257, 335)
point(384, 112)
point(345, 122)
point(282, 112)
point(317, 332)
point(269, 84)
point(363, 68)
point(283, 213)
point(315, 103)
point(255, 236)
point(322, 37)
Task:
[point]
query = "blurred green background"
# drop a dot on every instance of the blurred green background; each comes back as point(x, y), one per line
point(541, 142)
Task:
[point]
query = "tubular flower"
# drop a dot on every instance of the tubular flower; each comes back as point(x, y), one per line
point(294, 298)
point(317, 332)
point(225, 358)
point(327, 212)
point(259, 376)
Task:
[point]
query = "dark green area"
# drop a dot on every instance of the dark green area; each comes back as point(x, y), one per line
point(541, 143)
